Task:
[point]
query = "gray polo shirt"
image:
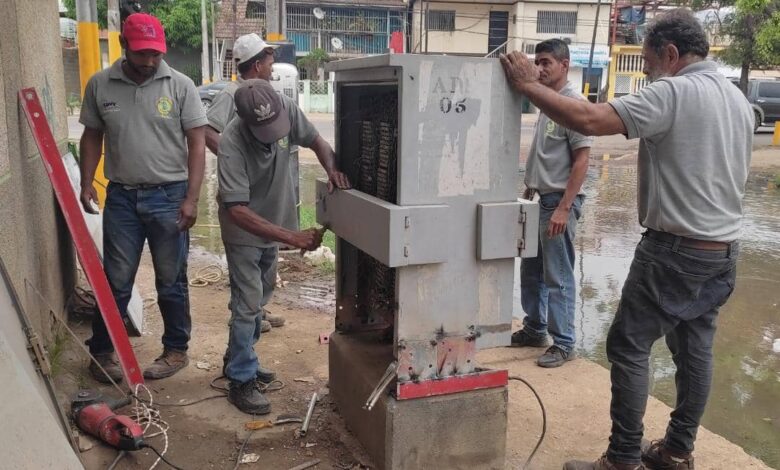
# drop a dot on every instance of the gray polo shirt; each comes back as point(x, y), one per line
point(223, 107)
point(143, 124)
point(258, 174)
point(550, 159)
point(696, 140)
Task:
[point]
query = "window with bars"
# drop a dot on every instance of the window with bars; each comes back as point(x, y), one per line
point(556, 22)
point(255, 10)
point(440, 20)
point(529, 47)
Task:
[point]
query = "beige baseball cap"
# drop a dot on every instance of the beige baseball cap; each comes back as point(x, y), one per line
point(248, 46)
point(261, 109)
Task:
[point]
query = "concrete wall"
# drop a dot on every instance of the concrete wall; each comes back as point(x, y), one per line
point(35, 245)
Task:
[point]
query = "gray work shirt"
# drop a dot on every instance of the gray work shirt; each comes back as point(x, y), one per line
point(258, 174)
point(550, 159)
point(223, 107)
point(144, 125)
point(696, 140)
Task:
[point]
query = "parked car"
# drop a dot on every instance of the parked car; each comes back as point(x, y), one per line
point(764, 96)
point(208, 92)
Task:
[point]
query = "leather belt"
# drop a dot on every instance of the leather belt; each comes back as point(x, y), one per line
point(687, 242)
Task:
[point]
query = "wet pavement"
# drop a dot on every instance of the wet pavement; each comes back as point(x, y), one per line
point(744, 405)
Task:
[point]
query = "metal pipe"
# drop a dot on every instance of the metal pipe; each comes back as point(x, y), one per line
point(590, 58)
point(307, 420)
point(204, 57)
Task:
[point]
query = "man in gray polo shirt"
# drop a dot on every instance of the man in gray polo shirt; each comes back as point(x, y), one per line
point(151, 121)
point(695, 130)
point(254, 58)
point(257, 212)
point(556, 167)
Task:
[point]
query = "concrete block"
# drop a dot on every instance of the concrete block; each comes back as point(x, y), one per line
point(458, 431)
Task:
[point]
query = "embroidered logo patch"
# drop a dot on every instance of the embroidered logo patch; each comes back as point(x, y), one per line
point(283, 143)
point(164, 106)
point(110, 106)
point(550, 128)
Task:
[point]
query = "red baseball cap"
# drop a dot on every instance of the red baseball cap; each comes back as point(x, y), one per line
point(142, 31)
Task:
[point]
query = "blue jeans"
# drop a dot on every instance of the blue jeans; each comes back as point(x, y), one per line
point(252, 281)
point(547, 287)
point(676, 292)
point(132, 216)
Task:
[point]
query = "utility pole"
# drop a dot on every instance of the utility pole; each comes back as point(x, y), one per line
point(215, 63)
point(204, 58)
point(89, 45)
point(114, 28)
point(275, 16)
point(233, 67)
point(590, 58)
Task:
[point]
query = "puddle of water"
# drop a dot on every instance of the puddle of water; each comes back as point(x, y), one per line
point(744, 404)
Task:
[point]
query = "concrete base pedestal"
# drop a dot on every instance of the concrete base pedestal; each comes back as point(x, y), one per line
point(459, 431)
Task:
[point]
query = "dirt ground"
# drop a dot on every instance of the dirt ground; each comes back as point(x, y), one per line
point(209, 434)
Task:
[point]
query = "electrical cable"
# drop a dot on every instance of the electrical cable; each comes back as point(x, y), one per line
point(147, 446)
point(119, 457)
point(241, 450)
point(544, 420)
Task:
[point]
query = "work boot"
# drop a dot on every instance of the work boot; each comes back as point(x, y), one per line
point(276, 321)
point(656, 456)
point(265, 376)
point(247, 398)
point(170, 362)
point(108, 362)
point(602, 463)
point(265, 326)
point(522, 338)
point(555, 357)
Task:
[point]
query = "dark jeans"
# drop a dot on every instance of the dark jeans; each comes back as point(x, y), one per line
point(132, 216)
point(675, 292)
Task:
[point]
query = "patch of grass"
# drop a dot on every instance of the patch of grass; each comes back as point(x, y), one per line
point(56, 349)
point(309, 219)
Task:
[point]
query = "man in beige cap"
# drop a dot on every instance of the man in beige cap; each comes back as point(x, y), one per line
point(257, 212)
point(254, 58)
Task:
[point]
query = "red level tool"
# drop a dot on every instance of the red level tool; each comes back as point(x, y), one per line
point(87, 252)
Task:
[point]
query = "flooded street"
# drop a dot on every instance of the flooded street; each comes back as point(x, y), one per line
point(745, 402)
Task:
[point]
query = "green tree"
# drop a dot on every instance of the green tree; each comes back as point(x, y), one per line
point(180, 18)
point(313, 62)
point(751, 29)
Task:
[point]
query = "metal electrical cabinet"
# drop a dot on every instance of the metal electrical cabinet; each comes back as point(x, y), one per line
point(428, 237)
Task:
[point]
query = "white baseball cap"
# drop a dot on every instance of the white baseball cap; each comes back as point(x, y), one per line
point(248, 46)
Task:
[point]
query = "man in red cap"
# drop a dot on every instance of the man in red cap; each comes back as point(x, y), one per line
point(152, 123)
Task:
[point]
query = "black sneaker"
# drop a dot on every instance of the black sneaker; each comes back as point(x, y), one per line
point(522, 338)
point(555, 357)
point(247, 398)
point(656, 456)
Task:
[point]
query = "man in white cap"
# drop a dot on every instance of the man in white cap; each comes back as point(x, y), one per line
point(254, 58)
point(256, 213)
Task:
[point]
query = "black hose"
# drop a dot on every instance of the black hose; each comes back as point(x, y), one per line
point(544, 420)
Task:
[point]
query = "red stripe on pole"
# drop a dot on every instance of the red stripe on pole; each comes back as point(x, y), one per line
point(85, 247)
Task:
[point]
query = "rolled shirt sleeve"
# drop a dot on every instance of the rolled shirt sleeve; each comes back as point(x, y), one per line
point(647, 113)
point(221, 111)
